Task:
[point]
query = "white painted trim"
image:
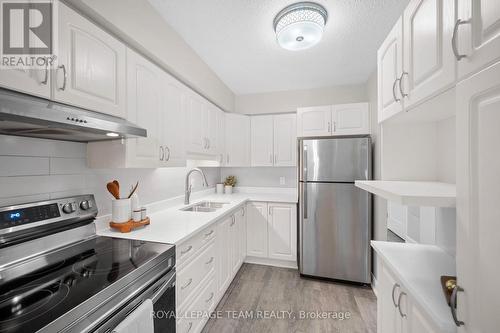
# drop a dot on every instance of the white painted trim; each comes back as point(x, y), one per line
point(271, 262)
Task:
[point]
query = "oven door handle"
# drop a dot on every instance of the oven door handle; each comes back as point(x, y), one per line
point(161, 290)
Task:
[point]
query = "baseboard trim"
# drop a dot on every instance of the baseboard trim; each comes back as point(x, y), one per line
point(271, 262)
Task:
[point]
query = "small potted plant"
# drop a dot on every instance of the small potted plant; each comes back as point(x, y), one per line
point(229, 183)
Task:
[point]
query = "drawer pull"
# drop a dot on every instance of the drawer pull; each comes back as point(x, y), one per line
point(210, 261)
point(403, 315)
point(393, 290)
point(209, 234)
point(187, 284)
point(190, 326)
point(210, 298)
point(188, 249)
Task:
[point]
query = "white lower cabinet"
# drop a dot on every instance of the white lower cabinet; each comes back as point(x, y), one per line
point(257, 229)
point(396, 310)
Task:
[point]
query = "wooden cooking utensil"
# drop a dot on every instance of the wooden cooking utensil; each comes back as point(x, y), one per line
point(133, 190)
point(114, 190)
point(117, 186)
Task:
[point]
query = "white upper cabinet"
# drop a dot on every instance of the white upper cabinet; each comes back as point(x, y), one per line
point(429, 63)
point(351, 119)
point(390, 68)
point(342, 119)
point(202, 123)
point(237, 140)
point(29, 81)
point(285, 140)
point(92, 66)
point(221, 134)
point(282, 234)
point(477, 35)
point(262, 140)
point(314, 121)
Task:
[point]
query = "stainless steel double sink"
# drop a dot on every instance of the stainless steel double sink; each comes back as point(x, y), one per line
point(205, 206)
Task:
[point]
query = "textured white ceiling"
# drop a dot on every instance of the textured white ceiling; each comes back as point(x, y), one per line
point(236, 39)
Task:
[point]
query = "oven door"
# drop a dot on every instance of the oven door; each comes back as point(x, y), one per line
point(164, 315)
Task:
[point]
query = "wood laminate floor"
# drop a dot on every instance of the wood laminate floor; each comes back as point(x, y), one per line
point(288, 298)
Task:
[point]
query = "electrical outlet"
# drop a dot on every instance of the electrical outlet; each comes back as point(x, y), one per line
point(282, 181)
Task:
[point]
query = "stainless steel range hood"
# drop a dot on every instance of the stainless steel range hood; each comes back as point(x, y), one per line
point(25, 115)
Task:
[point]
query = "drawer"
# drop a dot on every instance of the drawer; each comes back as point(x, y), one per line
point(187, 325)
point(190, 276)
point(185, 250)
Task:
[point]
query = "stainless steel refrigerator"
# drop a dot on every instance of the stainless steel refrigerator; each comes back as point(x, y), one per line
point(335, 217)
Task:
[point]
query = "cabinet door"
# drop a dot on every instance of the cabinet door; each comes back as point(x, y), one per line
point(396, 218)
point(285, 140)
point(145, 105)
point(478, 190)
point(29, 81)
point(196, 124)
point(223, 269)
point(243, 234)
point(351, 119)
point(173, 120)
point(314, 121)
point(221, 135)
point(282, 231)
point(257, 229)
point(388, 319)
point(389, 69)
point(429, 63)
point(92, 66)
point(479, 38)
point(416, 321)
point(234, 244)
point(262, 140)
point(211, 129)
point(237, 140)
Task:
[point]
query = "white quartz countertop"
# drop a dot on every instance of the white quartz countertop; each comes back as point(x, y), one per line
point(419, 268)
point(173, 226)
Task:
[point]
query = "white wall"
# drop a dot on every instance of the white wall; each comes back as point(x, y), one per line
point(447, 150)
point(137, 23)
point(262, 176)
point(289, 101)
point(35, 169)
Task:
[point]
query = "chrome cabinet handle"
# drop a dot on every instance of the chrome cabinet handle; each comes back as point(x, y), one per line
point(227, 158)
point(209, 143)
point(210, 233)
point(46, 78)
point(393, 290)
point(190, 326)
point(401, 84)
point(221, 158)
point(453, 305)
point(243, 211)
point(233, 221)
point(334, 126)
point(65, 76)
point(187, 284)
point(399, 304)
point(454, 45)
point(210, 298)
point(396, 99)
point(329, 127)
point(210, 261)
point(167, 151)
point(186, 251)
point(270, 211)
point(271, 158)
point(162, 153)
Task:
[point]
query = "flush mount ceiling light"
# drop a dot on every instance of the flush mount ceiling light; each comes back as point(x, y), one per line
point(300, 26)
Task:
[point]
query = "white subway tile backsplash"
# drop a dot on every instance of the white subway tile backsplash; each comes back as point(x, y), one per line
point(20, 146)
point(23, 199)
point(28, 185)
point(23, 166)
point(67, 166)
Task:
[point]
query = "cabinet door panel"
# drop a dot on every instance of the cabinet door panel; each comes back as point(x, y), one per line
point(221, 135)
point(314, 121)
point(351, 119)
point(478, 190)
point(237, 140)
point(285, 140)
point(223, 267)
point(479, 40)
point(211, 129)
point(389, 68)
point(282, 232)
point(388, 320)
point(173, 124)
point(262, 140)
point(94, 63)
point(29, 81)
point(429, 63)
point(196, 123)
point(257, 230)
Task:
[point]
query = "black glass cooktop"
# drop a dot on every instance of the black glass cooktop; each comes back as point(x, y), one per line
point(35, 299)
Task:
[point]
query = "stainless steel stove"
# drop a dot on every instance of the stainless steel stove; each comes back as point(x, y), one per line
point(56, 275)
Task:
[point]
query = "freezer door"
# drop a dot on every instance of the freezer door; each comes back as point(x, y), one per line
point(335, 160)
point(335, 231)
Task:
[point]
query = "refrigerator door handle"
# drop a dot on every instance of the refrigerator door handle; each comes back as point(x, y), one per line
point(304, 187)
point(304, 164)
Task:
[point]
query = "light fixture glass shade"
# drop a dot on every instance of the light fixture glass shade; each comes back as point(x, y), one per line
point(300, 26)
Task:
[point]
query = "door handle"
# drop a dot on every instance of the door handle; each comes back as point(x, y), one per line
point(401, 84)
point(403, 315)
point(396, 99)
point(46, 77)
point(162, 153)
point(167, 151)
point(329, 127)
point(393, 290)
point(187, 284)
point(453, 305)
point(305, 201)
point(65, 76)
point(454, 45)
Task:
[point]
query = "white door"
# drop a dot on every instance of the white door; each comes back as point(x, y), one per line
point(351, 119)
point(234, 243)
point(196, 123)
point(145, 105)
point(211, 129)
point(92, 66)
point(479, 38)
point(223, 255)
point(262, 140)
point(29, 81)
point(282, 231)
point(396, 218)
point(173, 120)
point(242, 233)
point(389, 70)
point(285, 140)
point(388, 320)
point(257, 229)
point(416, 321)
point(221, 134)
point(314, 121)
point(237, 140)
point(429, 63)
point(478, 190)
